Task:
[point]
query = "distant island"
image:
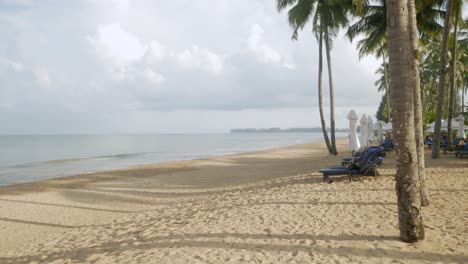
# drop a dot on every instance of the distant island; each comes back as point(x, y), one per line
point(287, 130)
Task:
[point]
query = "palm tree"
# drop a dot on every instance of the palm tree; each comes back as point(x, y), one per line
point(415, 79)
point(453, 78)
point(326, 17)
point(454, 69)
point(441, 85)
point(428, 69)
point(463, 41)
point(403, 61)
point(372, 24)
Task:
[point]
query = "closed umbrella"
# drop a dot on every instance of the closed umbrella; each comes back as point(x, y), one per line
point(370, 125)
point(364, 129)
point(353, 138)
point(380, 127)
point(389, 126)
point(461, 126)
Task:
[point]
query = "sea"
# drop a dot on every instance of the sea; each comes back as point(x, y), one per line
point(26, 158)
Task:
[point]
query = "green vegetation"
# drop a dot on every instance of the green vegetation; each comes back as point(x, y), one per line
point(424, 80)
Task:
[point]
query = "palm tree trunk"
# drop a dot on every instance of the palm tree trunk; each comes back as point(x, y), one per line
point(418, 123)
point(441, 86)
point(332, 98)
point(401, 61)
point(320, 97)
point(463, 100)
point(451, 109)
point(428, 97)
point(386, 87)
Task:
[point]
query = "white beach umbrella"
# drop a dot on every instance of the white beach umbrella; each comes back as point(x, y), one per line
point(353, 138)
point(388, 126)
point(370, 125)
point(461, 126)
point(364, 128)
point(380, 127)
point(443, 125)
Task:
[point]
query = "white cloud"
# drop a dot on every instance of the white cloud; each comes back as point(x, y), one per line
point(22, 3)
point(263, 51)
point(153, 77)
point(290, 66)
point(122, 73)
point(157, 50)
point(43, 78)
point(115, 42)
point(16, 66)
point(236, 63)
point(197, 58)
point(6, 105)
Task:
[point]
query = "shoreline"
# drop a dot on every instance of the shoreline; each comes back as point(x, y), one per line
point(145, 164)
point(266, 206)
point(32, 184)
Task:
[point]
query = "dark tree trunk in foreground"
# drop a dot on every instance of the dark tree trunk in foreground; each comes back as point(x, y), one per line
point(453, 81)
point(418, 123)
point(441, 86)
point(402, 84)
point(320, 96)
point(332, 97)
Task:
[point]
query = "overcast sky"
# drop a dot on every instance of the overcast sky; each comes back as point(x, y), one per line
point(150, 66)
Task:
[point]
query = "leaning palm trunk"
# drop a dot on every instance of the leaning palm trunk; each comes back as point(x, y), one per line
point(428, 97)
point(386, 87)
point(322, 118)
point(418, 123)
point(441, 86)
point(332, 98)
point(402, 58)
point(452, 81)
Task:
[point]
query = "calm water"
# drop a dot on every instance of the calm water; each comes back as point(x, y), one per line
point(32, 158)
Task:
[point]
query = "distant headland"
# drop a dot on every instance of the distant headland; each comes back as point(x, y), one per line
point(287, 130)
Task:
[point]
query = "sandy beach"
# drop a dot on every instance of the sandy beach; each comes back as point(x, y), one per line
point(261, 207)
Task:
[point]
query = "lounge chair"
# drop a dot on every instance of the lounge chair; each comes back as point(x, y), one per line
point(462, 152)
point(359, 156)
point(387, 144)
point(369, 167)
point(454, 147)
point(428, 142)
point(443, 144)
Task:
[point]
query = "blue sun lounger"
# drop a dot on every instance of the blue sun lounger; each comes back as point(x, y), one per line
point(360, 156)
point(369, 167)
point(387, 144)
point(463, 152)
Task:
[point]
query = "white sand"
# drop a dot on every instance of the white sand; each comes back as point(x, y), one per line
point(262, 207)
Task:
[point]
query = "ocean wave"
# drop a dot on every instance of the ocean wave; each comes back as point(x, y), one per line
point(75, 160)
point(123, 155)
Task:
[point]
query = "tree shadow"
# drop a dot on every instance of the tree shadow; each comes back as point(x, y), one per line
point(72, 206)
point(267, 242)
point(45, 224)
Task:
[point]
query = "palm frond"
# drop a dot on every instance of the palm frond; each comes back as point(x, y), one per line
point(282, 4)
point(299, 15)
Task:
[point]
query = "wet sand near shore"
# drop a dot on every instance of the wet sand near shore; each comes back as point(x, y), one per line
point(260, 207)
